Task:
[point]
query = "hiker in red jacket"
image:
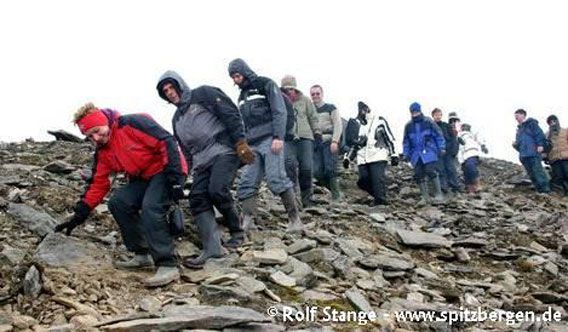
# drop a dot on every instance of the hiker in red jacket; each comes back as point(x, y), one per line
point(138, 146)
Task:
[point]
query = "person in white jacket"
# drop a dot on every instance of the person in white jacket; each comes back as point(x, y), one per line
point(470, 149)
point(373, 156)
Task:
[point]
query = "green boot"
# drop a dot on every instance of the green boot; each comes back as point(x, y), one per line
point(249, 214)
point(437, 187)
point(424, 192)
point(210, 240)
point(336, 194)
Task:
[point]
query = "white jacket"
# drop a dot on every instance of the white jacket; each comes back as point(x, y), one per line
point(380, 141)
point(471, 148)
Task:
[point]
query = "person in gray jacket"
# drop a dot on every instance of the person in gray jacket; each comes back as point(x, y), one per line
point(264, 114)
point(210, 130)
point(325, 153)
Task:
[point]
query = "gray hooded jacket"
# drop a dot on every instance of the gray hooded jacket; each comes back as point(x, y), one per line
point(261, 104)
point(206, 123)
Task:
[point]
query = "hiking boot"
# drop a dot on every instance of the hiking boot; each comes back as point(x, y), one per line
point(334, 188)
point(438, 196)
point(249, 214)
point(164, 275)
point(424, 192)
point(235, 241)
point(210, 240)
point(139, 261)
point(289, 201)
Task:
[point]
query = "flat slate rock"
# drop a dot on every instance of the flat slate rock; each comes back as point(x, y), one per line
point(58, 250)
point(422, 239)
point(38, 222)
point(62, 135)
point(192, 317)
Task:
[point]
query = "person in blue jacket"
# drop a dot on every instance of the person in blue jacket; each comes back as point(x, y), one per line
point(529, 142)
point(423, 144)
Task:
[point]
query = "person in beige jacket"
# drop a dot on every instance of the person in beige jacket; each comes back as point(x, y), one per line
point(325, 154)
point(557, 157)
point(306, 131)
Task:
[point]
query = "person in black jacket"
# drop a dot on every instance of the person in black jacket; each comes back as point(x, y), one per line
point(447, 163)
point(209, 127)
point(264, 115)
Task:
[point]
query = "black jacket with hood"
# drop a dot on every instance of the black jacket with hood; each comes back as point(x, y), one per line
point(261, 104)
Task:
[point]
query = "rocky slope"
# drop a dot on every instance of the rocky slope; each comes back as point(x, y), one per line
point(504, 250)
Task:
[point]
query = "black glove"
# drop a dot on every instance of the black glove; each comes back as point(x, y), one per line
point(461, 141)
point(394, 160)
point(82, 212)
point(176, 183)
point(177, 192)
point(484, 149)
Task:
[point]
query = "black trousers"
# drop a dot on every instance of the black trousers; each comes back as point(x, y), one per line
point(372, 179)
point(421, 171)
point(560, 174)
point(140, 209)
point(212, 187)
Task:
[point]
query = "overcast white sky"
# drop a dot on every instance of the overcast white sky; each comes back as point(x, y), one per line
point(483, 59)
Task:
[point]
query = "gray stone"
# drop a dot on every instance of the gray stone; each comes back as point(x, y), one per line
point(251, 284)
point(462, 254)
point(192, 317)
point(348, 248)
point(10, 180)
point(318, 255)
point(393, 274)
point(427, 274)
point(378, 217)
point(386, 263)
point(379, 279)
point(301, 245)
point(551, 268)
point(219, 279)
point(415, 297)
point(300, 271)
point(422, 239)
point(366, 284)
point(549, 297)
point(313, 295)
point(59, 167)
point(280, 278)
point(58, 250)
point(32, 282)
point(271, 256)
point(256, 327)
point(358, 300)
point(62, 135)
point(221, 294)
point(38, 222)
point(150, 304)
point(62, 328)
point(470, 242)
point(322, 236)
point(11, 256)
point(20, 167)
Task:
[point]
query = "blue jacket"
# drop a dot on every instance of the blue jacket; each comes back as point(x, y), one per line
point(529, 136)
point(423, 140)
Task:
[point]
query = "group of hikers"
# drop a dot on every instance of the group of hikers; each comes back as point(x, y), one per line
point(278, 134)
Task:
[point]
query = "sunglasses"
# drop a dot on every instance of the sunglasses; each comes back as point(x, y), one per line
point(315, 93)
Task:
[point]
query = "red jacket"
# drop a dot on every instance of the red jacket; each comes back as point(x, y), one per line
point(139, 147)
